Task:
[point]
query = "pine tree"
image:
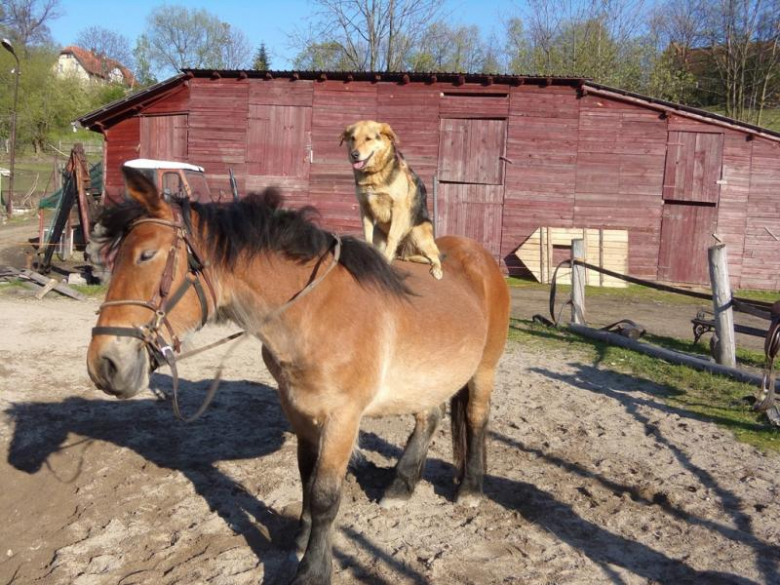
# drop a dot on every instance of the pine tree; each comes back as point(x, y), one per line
point(261, 62)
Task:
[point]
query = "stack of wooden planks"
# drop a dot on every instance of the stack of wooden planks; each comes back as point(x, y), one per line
point(549, 246)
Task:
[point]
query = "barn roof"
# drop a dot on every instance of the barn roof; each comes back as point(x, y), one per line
point(118, 110)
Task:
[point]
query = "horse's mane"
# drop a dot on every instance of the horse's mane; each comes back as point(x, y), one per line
point(259, 223)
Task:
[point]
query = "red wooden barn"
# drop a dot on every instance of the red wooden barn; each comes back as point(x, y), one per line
point(510, 154)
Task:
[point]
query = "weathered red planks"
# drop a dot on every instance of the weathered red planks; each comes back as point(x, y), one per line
point(570, 159)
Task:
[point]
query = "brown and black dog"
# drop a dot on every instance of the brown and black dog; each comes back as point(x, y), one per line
point(392, 197)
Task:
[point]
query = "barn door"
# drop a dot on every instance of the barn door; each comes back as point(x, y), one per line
point(279, 147)
point(691, 191)
point(164, 137)
point(471, 180)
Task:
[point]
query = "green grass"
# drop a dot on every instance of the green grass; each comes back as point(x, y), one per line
point(703, 395)
point(91, 290)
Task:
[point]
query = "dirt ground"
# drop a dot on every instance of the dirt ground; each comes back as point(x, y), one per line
point(592, 479)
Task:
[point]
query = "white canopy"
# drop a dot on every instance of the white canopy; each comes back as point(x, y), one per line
point(147, 163)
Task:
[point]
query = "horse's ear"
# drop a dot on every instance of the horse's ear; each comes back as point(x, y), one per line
point(386, 130)
point(142, 190)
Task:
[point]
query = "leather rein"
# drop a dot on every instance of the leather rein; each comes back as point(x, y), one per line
point(160, 351)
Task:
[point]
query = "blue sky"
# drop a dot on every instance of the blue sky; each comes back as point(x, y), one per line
point(261, 21)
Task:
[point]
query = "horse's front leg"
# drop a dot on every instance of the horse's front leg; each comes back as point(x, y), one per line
point(336, 439)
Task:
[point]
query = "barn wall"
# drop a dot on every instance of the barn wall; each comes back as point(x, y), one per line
point(331, 186)
point(279, 137)
point(122, 144)
point(620, 168)
point(572, 161)
point(761, 264)
point(542, 155)
point(218, 130)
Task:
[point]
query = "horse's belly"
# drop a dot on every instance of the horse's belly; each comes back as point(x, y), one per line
point(412, 386)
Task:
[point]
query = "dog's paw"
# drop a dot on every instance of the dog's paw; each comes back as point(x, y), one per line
point(436, 272)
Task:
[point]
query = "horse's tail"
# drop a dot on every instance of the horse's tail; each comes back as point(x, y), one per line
point(458, 405)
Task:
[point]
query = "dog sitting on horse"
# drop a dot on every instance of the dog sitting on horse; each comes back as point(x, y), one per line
point(392, 197)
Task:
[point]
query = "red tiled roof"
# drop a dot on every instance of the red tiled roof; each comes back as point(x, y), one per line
point(97, 65)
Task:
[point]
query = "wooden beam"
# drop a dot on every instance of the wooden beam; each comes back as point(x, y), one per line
point(667, 354)
point(683, 113)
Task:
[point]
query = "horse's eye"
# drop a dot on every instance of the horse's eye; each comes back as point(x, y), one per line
point(147, 255)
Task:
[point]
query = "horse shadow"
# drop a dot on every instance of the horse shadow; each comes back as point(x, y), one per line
point(244, 421)
point(542, 508)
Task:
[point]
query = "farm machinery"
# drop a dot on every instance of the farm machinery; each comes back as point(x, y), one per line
point(83, 188)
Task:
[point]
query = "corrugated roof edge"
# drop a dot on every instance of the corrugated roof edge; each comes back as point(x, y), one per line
point(94, 118)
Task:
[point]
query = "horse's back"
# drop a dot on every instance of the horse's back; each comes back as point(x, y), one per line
point(487, 281)
point(446, 331)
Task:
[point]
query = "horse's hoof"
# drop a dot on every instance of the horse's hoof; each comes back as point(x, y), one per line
point(469, 500)
point(390, 502)
point(436, 272)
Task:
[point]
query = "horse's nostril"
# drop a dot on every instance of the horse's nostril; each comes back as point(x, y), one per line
point(108, 368)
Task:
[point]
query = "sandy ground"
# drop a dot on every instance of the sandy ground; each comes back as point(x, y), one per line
point(592, 479)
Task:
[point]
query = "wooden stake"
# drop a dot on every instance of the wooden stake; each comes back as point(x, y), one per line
point(725, 348)
point(578, 282)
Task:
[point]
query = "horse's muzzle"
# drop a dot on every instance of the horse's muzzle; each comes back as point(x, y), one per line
point(118, 367)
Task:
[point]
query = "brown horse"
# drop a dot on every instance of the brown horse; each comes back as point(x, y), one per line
point(364, 339)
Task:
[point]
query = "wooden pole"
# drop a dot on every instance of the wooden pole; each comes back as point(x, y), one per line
point(668, 355)
point(578, 282)
point(725, 348)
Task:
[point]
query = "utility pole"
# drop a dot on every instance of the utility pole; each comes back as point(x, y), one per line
point(9, 206)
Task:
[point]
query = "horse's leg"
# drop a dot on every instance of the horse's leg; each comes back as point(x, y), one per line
point(409, 467)
point(336, 440)
point(307, 459)
point(470, 413)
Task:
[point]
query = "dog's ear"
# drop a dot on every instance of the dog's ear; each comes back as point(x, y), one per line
point(388, 131)
point(345, 135)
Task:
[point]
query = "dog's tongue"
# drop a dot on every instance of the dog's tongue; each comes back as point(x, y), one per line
point(359, 164)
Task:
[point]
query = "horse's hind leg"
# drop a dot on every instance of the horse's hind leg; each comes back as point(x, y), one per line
point(409, 467)
point(470, 413)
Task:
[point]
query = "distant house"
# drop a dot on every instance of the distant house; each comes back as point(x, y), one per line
point(90, 66)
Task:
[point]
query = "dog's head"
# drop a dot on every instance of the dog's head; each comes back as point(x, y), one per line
point(369, 144)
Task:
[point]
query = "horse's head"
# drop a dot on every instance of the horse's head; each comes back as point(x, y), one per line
point(155, 295)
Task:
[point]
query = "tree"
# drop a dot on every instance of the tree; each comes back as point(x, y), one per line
point(106, 43)
point(261, 62)
point(599, 39)
point(460, 49)
point(327, 56)
point(25, 22)
point(728, 50)
point(371, 35)
point(177, 37)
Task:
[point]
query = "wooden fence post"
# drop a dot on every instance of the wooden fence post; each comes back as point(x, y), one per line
point(577, 282)
point(725, 348)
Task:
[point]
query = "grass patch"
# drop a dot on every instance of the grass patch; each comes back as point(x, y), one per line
point(91, 290)
point(706, 396)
